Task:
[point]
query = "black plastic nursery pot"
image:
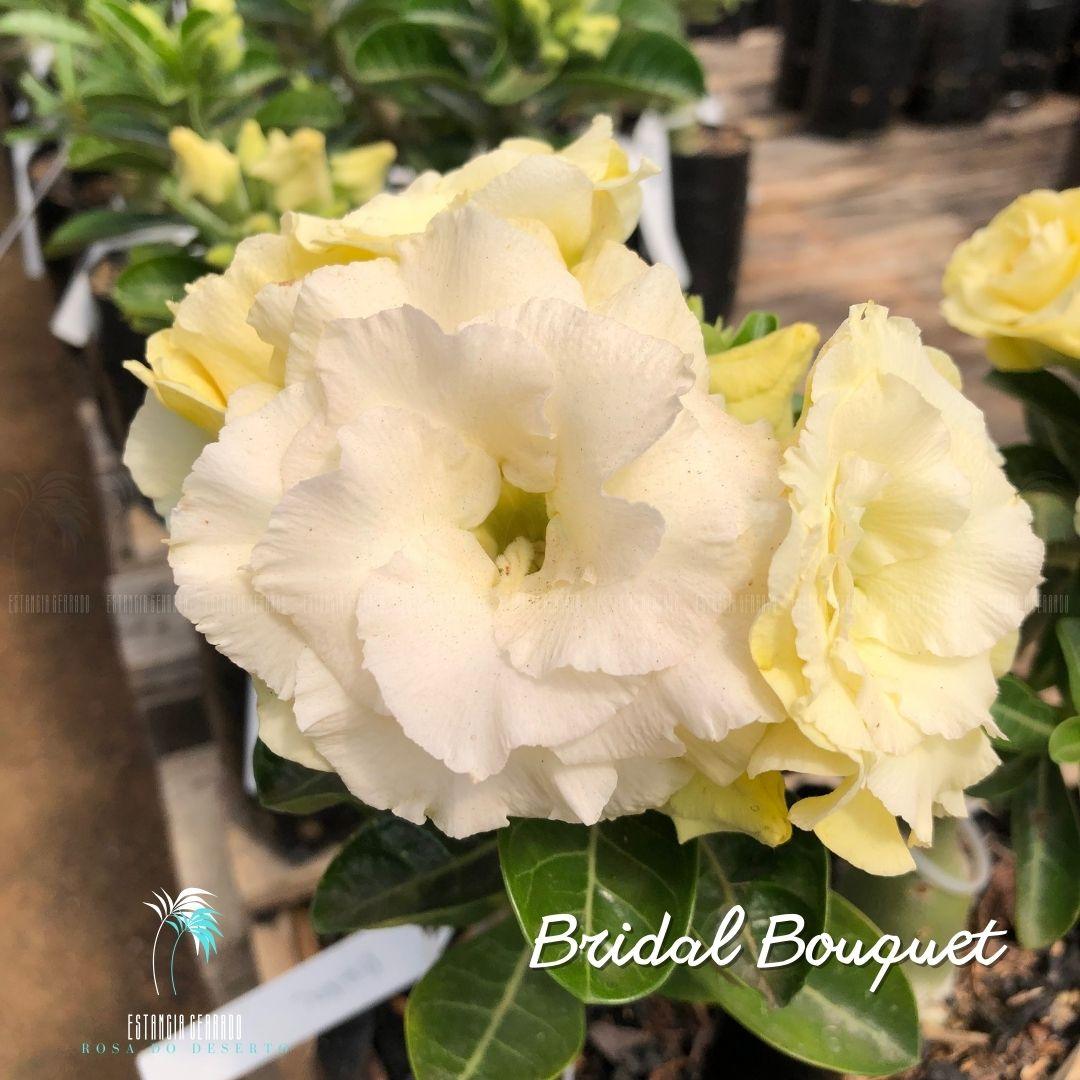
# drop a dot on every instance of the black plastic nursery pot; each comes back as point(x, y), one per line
point(799, 20)
point(1068, 75)
point(958, 79)
point(1071, 178)
point(864, 64)
point(1038, 44)
point(710, 177)
point(119, 393)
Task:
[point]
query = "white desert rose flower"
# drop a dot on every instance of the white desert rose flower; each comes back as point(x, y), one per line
point(574, 199)
point(896, 594)
point(484, 550)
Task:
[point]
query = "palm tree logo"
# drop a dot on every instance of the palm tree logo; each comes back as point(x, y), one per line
point(189, 914)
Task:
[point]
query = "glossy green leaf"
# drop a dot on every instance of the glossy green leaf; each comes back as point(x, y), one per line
point(314, 106)
point(1034, 468)
point(45, 26)
point(1052, 410)
point(481, 1013)
point(632, 870)
point(834, 1021)
point(405, 53)
point(1052, 514)
point(289, 788)
point(391, 871)
point(1065, 742)
point(81, 230)
point(642, 66)
point(757, 324)
point(1046, 839)
point(1022, 715)
point(1068, 635)
point(659, 15)
point(143, 290)
point(1006, 778)
point(790, 879)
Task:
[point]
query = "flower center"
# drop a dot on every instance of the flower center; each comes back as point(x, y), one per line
point(513, 533)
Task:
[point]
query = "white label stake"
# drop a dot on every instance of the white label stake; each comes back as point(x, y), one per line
point(353, 975)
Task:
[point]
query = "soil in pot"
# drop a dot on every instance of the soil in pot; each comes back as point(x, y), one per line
point(710, 172)
point(864, 64)
point(958, 78)
point(799, 20)
point(1038, 44)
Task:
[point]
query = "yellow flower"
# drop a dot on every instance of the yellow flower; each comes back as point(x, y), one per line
point(1017, 282)
point(360, 173)
point(894, 598)
point(227, 37)
point(207, 168)
point(296, 168)
point(757, 380)
point(251, 145)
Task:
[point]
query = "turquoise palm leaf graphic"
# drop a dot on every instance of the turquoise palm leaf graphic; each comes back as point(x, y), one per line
point(189, 914)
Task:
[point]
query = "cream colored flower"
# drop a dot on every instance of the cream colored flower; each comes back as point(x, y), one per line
point(206, 167)
point(577, 197)
point(582, 195)
point(1017, 282)
point(895, 596)
point(485, 547)
point(757, 380)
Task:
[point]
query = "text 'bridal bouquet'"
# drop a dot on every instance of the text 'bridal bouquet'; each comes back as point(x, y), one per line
point(549, 582)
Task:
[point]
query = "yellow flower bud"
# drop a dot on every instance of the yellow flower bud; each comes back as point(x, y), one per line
point(296, 168)
point(361, 172)
point(206, 167)
point(758, 379)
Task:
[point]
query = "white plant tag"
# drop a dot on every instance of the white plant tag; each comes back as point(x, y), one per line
point(353, 975)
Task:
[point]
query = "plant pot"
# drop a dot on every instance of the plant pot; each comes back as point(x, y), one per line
point(710, 176)
point(1071, 177)
point(959, 72)
point(119, 393)
point(1038, 44)
point(865, 62)
point(800, 20)
point(1068, 74)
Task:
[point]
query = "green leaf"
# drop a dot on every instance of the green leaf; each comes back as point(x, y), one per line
point(1034, 468)
point(1052, 409)
point(391, 871)
point(632, 870)
point(1046, 839)
point(1068, 635)
point(1005, 779)
point(834, 1021)
point(81, 230)
point(1065, 742)
point(1053, 515)
point(659, 15)
point(446, 14)
point(757, 324)
point(481, 1013)
point(401, 52)
point(289, 788)
point(1022, 715)
point(642, 65)
point(47, 26)
point(315, 106)
point(790, 879)
point(142, 291)
point(95, 152)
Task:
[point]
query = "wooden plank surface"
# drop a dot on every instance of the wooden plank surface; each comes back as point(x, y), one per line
point(834, 223)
